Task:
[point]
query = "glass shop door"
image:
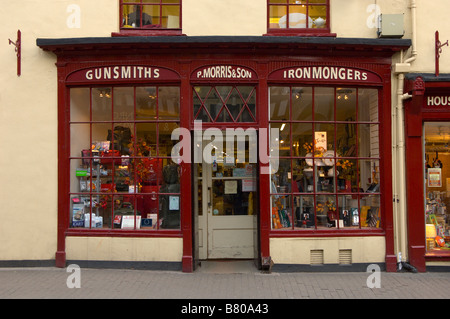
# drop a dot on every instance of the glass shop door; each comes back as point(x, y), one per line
point(226, 208)
point(437, 187)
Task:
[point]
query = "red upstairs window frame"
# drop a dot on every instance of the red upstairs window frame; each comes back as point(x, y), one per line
point(149, 27)
point(293, 7)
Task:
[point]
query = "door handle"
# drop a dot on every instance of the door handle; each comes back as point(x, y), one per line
point(209, 198)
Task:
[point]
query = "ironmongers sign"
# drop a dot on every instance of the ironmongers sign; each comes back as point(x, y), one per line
point(325, 73)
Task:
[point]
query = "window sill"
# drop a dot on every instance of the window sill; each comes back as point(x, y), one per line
point(86, 232)
point(147, 32)
point(330, 232)
point(300, 32)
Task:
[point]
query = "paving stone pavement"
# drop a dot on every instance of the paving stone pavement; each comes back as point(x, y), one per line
point(53, 283)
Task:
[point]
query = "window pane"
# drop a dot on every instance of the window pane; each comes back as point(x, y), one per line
point(368, 145)
point(146, 140)
point(124, 104)
point(125, 214)
point(277, 16)
point(165, 141)
point(102, 104)
point(304, 211)
point(80, 139)
point(369, 176)
point(346, 140)
point(171, 17)
point(347, 172)
point(297, 17)
point(302, 176)
point(318, 14)
point(284, 138)
point(80, 105)
point(368, 105)
point(281, 212)
point(324, 139)
point(301, 139)
point(324, 177)
point(120, 137)
point(281, 180)
point(136, 16)
point(147, 206)
point(279, 103)
point(345, 104)
point(370, 211)
point(326, 211)
point(323, 104)
point(152, 15)
point(146, 103)
point(169, 103)
point(348, 211)
point(302, 104)
point(169, 213)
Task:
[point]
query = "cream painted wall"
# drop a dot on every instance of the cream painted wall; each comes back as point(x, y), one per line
point(28, 121)
point(224, 17)
point(297, 250)
point(124, 249)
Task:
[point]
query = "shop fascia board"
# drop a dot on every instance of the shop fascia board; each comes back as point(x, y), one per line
point(431, 81)
point(275, 44)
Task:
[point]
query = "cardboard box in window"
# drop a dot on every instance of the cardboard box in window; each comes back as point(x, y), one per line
point(97, 221)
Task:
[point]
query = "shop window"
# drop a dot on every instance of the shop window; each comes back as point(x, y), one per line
point(307, 17)
point(121, 172)
point(150, 14)
point(437, 186)
point(328, 170)
point(215, 104)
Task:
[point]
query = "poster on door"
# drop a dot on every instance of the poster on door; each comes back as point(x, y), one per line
point(434, 177)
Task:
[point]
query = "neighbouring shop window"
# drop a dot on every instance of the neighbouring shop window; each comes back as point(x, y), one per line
point(437, 186)
point(329, 161)
point(121, 172)
point(300, 16)
point(232, 104)
point(150, 14)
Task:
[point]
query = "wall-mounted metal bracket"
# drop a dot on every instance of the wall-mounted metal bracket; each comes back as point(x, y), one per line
point(438, 50)
point(18, 45)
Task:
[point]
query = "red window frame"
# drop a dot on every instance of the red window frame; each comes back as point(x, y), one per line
point(359, 194)
point(307, 31)
point(150, 29)
point(135, 158)
point(249, 104)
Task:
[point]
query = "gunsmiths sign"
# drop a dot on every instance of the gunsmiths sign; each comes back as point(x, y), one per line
point(123, 73)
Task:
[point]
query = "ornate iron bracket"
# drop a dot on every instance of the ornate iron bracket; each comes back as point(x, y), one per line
point(438, 50)
point(18, 45)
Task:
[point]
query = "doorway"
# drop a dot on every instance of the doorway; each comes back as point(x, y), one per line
point(226, 198)
point(437, 187)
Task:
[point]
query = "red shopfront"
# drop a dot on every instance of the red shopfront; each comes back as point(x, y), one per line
point(427, 120)
point(119, 106)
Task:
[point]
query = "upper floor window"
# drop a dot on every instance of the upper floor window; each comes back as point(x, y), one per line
point(299, 17)
point(150, 14)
